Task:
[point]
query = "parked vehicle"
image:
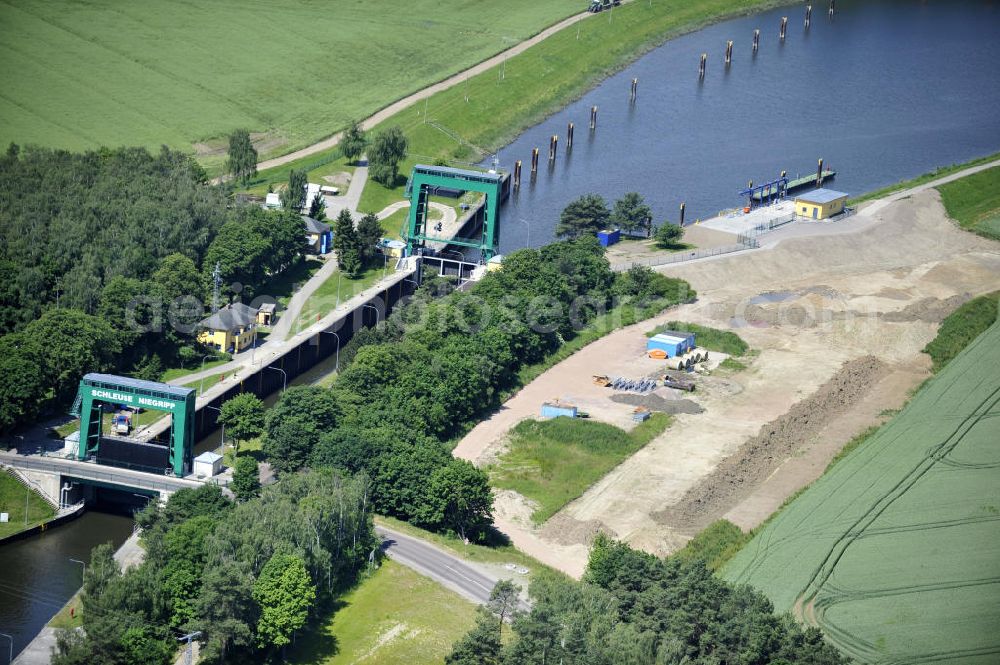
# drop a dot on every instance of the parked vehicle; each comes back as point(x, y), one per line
point(122, 423)
point(601, 5)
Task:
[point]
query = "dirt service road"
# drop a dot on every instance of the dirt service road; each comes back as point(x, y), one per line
point(873, 285)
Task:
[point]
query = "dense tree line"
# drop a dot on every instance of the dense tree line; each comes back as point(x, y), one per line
point(634, 609)
point(438, 364)
point(106, 262)
point(70, 222)
point(249, 575)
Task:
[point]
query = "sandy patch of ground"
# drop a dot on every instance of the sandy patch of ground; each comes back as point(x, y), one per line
point(816, 297)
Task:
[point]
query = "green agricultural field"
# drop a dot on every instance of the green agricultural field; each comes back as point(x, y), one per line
point(110, 72)
point(554, 461)
point(396, 616)
point(895, 551)
point(974, 202)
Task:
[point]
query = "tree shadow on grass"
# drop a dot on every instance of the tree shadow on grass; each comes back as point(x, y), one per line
point(318, 643)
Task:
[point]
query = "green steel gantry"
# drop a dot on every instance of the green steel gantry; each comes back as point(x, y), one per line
point(424, 179)
point(96, 389)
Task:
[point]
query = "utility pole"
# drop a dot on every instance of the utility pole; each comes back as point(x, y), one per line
point(189, 656)
point(216, 283)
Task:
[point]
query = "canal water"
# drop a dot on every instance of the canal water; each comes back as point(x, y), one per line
point(887, 90)
point(37, 576)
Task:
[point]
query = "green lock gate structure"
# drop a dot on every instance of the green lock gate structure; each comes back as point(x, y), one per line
point(98, 389)
point(424, 179)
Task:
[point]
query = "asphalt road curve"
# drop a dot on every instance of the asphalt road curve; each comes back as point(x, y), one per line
point(454, 573)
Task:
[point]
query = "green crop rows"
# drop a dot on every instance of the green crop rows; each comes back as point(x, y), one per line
point(80, 75)
point(895, 552)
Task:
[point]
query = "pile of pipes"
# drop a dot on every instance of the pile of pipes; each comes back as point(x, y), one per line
point(688, 360)
point(641, 386)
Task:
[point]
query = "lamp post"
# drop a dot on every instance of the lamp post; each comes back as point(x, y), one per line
point(284, 383)
point(10, 656)
point(222, 440)
point(527, 239)
point(336, 367)
point(84, 564)
point(340, 274)
point(368, 304)
point(201, 386)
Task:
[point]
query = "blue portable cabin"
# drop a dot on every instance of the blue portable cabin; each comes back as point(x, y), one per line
point(672, 343)
point(555, 410)
point(608, 238)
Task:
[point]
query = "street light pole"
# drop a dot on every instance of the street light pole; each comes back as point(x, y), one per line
point(368, 304)
point(11, 654)
point(84, 564)
point(201, 386)
point(339, 275)
point(284, 383)
point(222, 441)
point(337, 362)
point(527, 240)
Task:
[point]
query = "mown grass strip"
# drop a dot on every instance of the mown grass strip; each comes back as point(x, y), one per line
point(974, 202)
point(961, 327)
point(921, 179)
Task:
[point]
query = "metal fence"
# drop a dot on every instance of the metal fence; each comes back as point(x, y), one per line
point(766, 227)
point(681, 257)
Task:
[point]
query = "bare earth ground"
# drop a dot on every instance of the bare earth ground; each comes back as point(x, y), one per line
point(839, 314)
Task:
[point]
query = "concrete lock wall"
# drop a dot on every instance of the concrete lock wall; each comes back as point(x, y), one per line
point(47, 484)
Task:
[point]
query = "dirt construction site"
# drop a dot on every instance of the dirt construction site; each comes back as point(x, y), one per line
point(836, 315)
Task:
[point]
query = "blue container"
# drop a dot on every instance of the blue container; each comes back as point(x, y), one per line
point(673, 343)
point(608, 238)
point(557, 410)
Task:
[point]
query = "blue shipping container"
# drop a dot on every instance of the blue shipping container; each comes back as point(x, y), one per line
point(608, 238)
point(556, 410)
point(673, 343)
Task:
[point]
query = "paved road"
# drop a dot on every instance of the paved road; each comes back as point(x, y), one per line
point(464, 578)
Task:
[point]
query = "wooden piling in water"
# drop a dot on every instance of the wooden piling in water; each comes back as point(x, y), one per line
point(635, 88)
point(593, 118)
point(729, 52)
point(832, 2)
point(682, 214)
point(553, 144)
point(809, 13)
point(701, 67)
point(534, 160)
point(756, 40)
point(569, 136)
point(819, 174)
point(517, 174)
point(784, 27)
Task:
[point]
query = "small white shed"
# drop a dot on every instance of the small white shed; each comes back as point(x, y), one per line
point(207, 464)
point(272, 201)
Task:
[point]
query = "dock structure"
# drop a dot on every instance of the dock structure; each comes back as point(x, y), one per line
point(780, 187)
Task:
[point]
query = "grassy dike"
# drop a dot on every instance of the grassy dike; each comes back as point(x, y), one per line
point(921, 179)
point(488, 113)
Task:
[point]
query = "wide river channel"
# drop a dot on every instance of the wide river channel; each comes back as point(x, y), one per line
point(885, 91)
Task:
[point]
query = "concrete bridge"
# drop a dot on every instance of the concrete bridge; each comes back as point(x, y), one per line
point(65, 482)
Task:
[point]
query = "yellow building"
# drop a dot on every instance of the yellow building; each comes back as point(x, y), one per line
point(820, 203)
point(232, 329)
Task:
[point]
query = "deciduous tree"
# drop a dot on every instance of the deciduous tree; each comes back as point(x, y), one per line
point(285, 595)
point(243, 417)
point(353, 143)
point(242, 161)
point(295, 192)
point(668, 235)
point(246, 478)
point(387, 150)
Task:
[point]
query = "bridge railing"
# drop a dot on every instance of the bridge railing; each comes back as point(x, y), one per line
point(86, 471)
